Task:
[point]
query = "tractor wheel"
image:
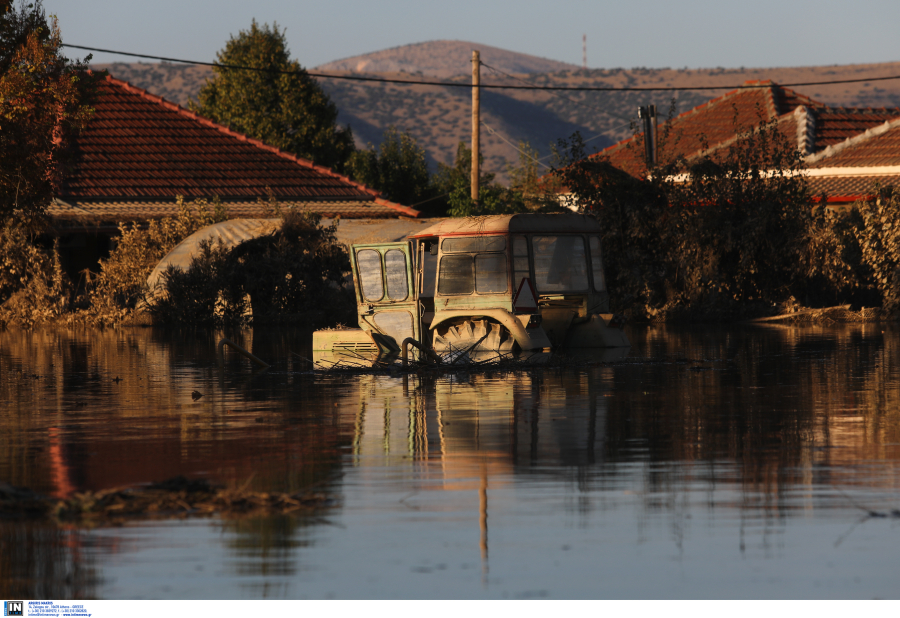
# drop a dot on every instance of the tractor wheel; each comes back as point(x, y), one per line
point(458, 338)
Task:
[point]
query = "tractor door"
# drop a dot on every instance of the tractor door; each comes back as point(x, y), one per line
point(386, 297)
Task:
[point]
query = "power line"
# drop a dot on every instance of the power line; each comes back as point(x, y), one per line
point(520, 151)
point(560, 96)
point(488, 86)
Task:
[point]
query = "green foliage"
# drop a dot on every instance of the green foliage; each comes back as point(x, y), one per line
point(397, 169)
point(526, 185)
point(456, 182)
point(294, 275)
point(280, 105)
point(192, 296)
point(831, 269)
point(44, 99)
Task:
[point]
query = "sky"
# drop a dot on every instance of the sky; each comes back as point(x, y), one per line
point(643, 33)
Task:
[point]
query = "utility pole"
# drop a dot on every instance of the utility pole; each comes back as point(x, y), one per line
point(476, 120)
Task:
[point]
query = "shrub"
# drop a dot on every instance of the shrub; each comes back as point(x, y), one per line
point(877, 232)
point(722, 236)
point(33, 287)
point(295, 275)
point(122, 280)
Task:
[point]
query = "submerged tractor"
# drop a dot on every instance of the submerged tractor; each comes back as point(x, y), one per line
point(528, 282)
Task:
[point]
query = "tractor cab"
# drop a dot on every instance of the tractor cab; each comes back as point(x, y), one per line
point(497, 283)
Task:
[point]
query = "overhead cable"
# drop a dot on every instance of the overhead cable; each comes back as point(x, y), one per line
point(560, 96)
point(519, 149)
point(360, 78)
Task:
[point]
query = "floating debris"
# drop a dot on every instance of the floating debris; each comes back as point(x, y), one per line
point(828, 315)
point(177, 497)
point(354, 363)
point(195, 395)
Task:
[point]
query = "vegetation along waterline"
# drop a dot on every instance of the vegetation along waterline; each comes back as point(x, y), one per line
point(732, 234)
point(732, 242)
point(698, 264)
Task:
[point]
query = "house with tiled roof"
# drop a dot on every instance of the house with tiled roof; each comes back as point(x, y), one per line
point(140, 151)
point(851, 168)
point(848, 150)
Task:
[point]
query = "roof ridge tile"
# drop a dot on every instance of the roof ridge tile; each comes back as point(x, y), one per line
point(854, 140)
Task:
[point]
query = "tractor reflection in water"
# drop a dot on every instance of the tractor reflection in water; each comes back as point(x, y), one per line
point(499, 284)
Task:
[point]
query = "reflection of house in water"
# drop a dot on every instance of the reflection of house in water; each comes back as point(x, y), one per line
point(114, 408)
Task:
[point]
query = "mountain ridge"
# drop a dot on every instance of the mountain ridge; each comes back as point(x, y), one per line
point(439, 117)
point(442, 59)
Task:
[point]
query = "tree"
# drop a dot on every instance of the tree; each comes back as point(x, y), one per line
point(44, 101)
point(526, 186)
point(720, 236)
point(456, 182)
point(279, 104)
point(397, 169)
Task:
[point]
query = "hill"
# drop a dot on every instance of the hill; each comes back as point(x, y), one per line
point(439, 117)
point(442, 59)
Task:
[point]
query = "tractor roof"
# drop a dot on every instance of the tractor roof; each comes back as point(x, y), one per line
point(563, 223)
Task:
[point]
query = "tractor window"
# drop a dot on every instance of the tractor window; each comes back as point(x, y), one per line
point(456, 275)
point(597, 264)
point(485, 273)
point(396, 324)
point(560, 264)
point(473, 244)
point(429, 274)
point(368, 263)
point(395, 266)
point(490, 273)
point(520, 260)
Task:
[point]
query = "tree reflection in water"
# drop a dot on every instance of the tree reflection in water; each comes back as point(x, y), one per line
point(755, 422)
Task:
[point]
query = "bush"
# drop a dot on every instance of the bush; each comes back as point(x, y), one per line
point(876, 227)
point(296, 275)
point(122, 281)
point(33, 287)
point(727, 235)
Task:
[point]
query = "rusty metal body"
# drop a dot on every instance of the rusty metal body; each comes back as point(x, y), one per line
point(526, 281)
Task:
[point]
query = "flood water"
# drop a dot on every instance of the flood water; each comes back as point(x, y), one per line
point(732, 462)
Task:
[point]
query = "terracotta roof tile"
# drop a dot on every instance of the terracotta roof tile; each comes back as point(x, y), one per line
point(850, 188)
point(710, 124)
point(877, 146)
point(834, 125)
point(787, 100)
point(139, 147)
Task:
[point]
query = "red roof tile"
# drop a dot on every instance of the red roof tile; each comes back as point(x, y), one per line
point(709, 124)
point(712, 124)
point(877, 146)
point(834, 125)
point(787, 100)
point(140, 147)
point(850, 188)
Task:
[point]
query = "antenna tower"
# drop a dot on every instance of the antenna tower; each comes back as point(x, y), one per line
point(584, 50)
